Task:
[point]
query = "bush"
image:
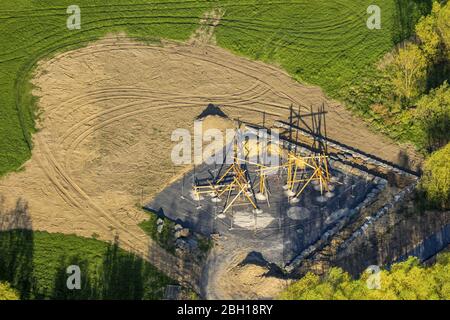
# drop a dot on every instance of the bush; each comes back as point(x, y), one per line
point(408, 72)
point(7, 293)
point(436, 179)
point(404, 281)
point(429, 38)
point(443, 26)
point(433, 117)
point(165, 238)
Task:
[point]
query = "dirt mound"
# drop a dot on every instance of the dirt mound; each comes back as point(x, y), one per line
point(252, 281)
point(217, 122)
point(246, 279)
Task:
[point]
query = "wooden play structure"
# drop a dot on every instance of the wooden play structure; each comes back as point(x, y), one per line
point(247, 183)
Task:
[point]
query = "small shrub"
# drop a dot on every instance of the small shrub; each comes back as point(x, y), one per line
point(436, 179)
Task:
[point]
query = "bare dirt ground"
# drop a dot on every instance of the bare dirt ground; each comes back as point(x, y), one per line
point(230, 279)
point(107, 112)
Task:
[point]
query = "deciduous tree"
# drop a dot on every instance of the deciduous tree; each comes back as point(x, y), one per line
point(443, 26)
point(408, 280)
point(408, 71)
point(7, 293)
point(433, 117)
point(429, 37)
point(436, 178)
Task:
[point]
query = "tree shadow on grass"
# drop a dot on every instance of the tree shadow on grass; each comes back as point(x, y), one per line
point(407, 14)
point(126, 276)
point(119, 275)
point(115, 274)
point(89, 287)
point(16, 248)
point(437, 75)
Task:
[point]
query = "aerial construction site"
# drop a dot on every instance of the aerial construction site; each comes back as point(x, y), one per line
point(277, 197)
point(223, 149)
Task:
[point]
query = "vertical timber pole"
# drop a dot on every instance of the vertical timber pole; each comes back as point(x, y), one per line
point(298, 126)
point(291, 120)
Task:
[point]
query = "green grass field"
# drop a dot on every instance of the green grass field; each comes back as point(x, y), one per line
point(319, 42)
point(327, 43)
point(35, 263)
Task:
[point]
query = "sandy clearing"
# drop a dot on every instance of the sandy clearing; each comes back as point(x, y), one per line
point(107, 114)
